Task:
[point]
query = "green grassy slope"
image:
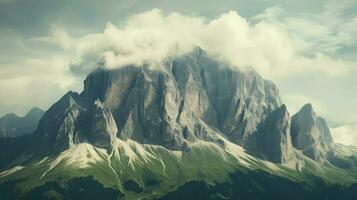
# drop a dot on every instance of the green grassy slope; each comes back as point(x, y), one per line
point(148, 171)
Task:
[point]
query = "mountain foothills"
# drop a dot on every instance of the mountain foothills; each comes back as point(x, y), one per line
point(190, 128)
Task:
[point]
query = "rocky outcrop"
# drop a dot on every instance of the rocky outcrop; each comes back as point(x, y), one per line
point(189, 98)
point(326, 135)
point(186, 99)
point(182, 101)
point(310, 134)
point(12, 125)
point(103, 129)
point(57, 129)
point(273, 140)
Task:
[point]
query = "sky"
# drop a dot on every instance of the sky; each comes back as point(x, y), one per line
point(308, 48)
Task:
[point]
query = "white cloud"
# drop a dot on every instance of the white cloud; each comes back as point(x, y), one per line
point(327, 31)
point(346, 134)
point(34, 82)
point(151, 37)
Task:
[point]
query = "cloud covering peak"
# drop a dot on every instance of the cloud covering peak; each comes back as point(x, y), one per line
point(151, 37)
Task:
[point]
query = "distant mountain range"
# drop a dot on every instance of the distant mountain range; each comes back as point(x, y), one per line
point(12, 125)
point(16, 134)
point(191, 128)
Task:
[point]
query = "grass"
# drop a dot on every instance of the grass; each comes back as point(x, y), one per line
point(205, 162)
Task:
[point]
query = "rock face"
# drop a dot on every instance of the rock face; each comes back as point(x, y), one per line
point(311, 134)
point(273, 138)
point(103, 129)
point(58, 129)
point(184, 100)
point(187, 99)
point(12, 125)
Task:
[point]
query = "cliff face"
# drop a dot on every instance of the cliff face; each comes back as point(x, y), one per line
point(188, 99)
point(103, 128)
point(311, 134)
point(185, 100)
point(273, 138)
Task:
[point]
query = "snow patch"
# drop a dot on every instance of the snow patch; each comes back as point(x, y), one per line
point(11, 171)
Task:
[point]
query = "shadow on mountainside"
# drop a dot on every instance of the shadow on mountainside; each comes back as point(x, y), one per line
point(261, 186)
point(251, 185)
point(76, 189)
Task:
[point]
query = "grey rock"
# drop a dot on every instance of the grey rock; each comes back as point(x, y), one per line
point(103, 127)
point(189, 98)
point(57, 129)
point(325, 131)
point(12, 125)
point(273, 138)
point(182, 101)
point(310, 134)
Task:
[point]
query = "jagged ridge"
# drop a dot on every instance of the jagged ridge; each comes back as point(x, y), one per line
point(185, 100)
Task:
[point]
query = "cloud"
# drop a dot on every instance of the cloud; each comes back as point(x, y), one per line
point(327, 31)
point(30, 82)
point(151, 37)
point(346, 134)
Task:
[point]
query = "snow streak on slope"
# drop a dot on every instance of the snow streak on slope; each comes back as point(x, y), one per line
point(10, 171)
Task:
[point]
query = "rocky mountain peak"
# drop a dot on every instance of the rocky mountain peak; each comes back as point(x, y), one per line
point(186, 99)
point(34, 112)
point(12, 125)
point(310, 133)
point(307, 108)
point(273, 140)
point(325, 130)
point(103, 130)
point(178, 103)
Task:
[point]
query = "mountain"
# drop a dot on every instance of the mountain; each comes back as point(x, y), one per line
point(311, 134)
point(189, 99)
point(12, 125)
point(189, 124)
point(16, 134)
point(274, 139)
point(343, 156)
